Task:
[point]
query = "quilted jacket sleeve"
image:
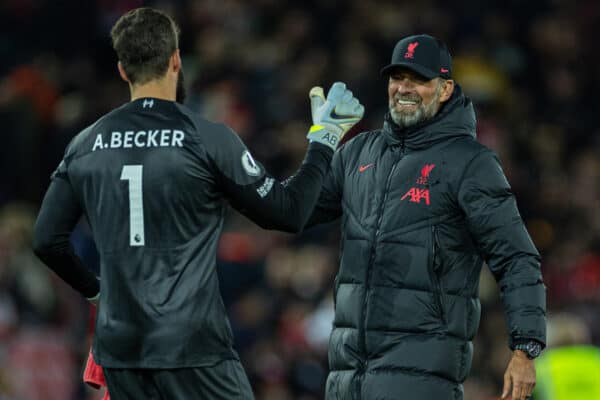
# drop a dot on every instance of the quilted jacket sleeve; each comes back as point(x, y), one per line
point(496, 226)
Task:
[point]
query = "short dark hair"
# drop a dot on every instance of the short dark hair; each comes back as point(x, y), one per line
point(144, 40)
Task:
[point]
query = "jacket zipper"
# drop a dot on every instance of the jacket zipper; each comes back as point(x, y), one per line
point(437, 285)
point(362, 332)
point(336, 282)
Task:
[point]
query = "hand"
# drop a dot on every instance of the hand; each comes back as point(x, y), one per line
point(520, 374)
point(334, 116)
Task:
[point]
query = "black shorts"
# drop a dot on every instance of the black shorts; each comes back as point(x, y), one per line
point(225, 380)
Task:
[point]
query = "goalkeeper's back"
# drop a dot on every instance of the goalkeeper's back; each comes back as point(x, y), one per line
point(145, 176)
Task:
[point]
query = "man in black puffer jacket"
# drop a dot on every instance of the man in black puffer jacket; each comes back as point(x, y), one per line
point(423, 205)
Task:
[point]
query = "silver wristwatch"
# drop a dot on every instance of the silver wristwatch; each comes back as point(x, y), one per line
point(531, 348)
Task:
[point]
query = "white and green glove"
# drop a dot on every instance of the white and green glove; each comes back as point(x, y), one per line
point(334, 116)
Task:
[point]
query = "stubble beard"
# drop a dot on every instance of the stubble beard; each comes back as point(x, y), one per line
point(405, 119)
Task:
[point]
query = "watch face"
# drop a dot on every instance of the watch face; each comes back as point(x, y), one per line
point(534, 349)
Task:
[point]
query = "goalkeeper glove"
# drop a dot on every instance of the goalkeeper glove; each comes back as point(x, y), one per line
point(334, 116)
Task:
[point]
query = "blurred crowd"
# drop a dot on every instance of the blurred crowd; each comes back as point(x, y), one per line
point(530, 67)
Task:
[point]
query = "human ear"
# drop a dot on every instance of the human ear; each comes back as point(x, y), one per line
point(175, 61)
point(122, 72)
point(447, 90)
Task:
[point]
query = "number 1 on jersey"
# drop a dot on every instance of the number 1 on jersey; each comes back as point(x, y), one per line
point(133, 174)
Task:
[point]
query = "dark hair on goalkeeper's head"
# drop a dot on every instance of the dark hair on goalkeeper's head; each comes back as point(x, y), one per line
point(145, 39)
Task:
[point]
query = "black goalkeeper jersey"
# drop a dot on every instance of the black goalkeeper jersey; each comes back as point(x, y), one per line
point(152, 178)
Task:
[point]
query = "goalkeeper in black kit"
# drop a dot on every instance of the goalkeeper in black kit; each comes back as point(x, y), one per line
point(153, 179)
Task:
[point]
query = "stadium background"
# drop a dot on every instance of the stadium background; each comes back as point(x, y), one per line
point(531, 68)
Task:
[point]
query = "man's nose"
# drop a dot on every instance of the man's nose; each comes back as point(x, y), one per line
point(404, 84)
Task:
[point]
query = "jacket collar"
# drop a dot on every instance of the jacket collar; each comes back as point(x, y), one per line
point(455, 118)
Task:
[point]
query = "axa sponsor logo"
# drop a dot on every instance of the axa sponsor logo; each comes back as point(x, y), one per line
point(416, 194)
point(410, 51)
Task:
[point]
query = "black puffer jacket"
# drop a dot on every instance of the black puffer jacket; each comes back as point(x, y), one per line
point(422, 209)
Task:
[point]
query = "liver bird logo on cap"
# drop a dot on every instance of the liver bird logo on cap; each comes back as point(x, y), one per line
point(410, 53)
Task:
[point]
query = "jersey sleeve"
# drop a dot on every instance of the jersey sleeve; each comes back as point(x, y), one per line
point(254, 192)
point(59, 213)
point(329, 205)
point(232, 159)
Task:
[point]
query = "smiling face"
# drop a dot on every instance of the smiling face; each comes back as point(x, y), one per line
point(413, 98)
